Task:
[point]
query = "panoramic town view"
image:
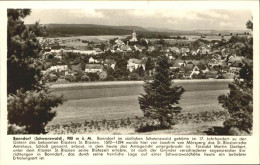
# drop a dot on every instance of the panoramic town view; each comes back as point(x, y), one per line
point(130, 72)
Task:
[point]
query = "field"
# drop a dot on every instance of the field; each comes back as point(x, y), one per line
point(114, 101)
point(100, 38)
point(191, 38)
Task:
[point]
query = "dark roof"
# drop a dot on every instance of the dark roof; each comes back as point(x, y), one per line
point(189, 66)
point(237, 59)
point(125, 47)
point(97, 49)
point(109, 61)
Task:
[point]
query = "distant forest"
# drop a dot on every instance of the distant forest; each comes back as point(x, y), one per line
point(66, 30)
point(62, 31)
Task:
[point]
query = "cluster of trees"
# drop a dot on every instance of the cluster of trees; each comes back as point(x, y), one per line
point(77, 76)
point(239, 100)
point(122, 73)
point(161, 97)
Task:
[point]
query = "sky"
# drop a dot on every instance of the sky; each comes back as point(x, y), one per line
point(175, 19)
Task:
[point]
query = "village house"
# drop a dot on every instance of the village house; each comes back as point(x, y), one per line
point(195, 71)
point(137, 48)
point(92, 60)
point(110, 63)
point(151, 48)
point(205, 50)
point(235, 64)
point(97, 50)
point(237, 59)
point(179, 62)
point(185, 50)
point(58, 68)
point(175, 65)
point(118, 43)
point(93, 68)
point(213, 62)
point(194, 53)
point(133, 64)
point(175, 50)
point(125, 48)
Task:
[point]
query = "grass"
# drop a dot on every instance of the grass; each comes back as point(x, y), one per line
point(190, 123)
point(119, 103)
point(100, 38)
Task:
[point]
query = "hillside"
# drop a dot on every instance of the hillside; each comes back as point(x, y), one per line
point(62, 30)
point(93, 29)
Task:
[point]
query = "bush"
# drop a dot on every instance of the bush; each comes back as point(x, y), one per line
point(134, 76)
point(239, 101)
point(14, 129)
point(52, 78)
point(109, 78)
point(70, 78)
point(148, 128)
point(77, 76)
point(93, 76)
point(85, 78)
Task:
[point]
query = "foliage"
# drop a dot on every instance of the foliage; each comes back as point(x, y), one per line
point(14, 129)
point(134, 76)
point(32, 109)
point(93, 76)
point(29, 100)
point(85, 78)
point(239, 100)
point(23, 49)
point(249, 25)
point(149, 65)
point(78, 75)
point(70, 78)
point(161, 95)
point(52, 78)
point(140, 71)
point(121, 71)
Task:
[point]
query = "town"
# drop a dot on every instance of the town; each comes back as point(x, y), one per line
point(132, 57)
point(145, 72)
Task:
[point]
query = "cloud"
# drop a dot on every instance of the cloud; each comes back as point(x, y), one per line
point(178, 14)
point(225, 24)
point(87, 13)
point(178, 19)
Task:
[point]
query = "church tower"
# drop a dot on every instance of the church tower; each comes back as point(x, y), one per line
point(134, 39)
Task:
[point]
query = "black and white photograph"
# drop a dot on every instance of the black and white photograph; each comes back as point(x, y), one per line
point(130, 71)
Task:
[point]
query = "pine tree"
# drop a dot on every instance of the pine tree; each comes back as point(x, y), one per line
point(161, 95)
point(121, 70)
point(30, 102)
point(149, 65)
point(239, 100)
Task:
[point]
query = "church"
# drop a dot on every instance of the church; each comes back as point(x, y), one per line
point(133, 39)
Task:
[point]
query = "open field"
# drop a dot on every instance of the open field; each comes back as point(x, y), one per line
point(113, 100)
point(191, 38)
point(99, 38)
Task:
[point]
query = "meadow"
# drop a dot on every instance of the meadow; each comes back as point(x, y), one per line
point(117, 103)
